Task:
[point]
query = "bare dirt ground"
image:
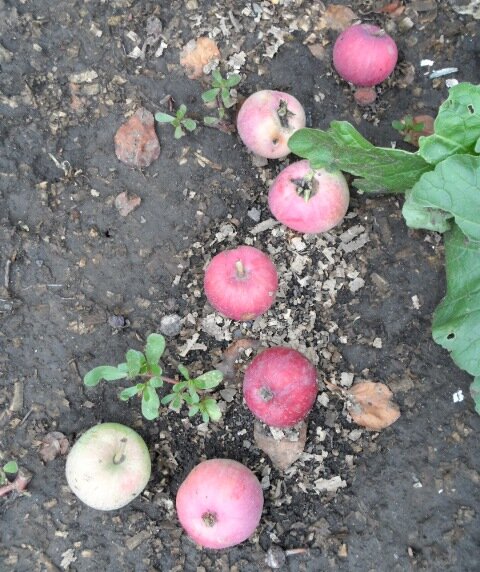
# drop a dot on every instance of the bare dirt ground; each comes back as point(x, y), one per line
point(80, 284)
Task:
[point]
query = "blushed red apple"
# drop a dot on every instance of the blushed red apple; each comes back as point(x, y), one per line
point(364, 55)
point(280, 386)
point(266, 121)
point(220, 503)
point(108, 466)
point(241, 283)
point(309, 200)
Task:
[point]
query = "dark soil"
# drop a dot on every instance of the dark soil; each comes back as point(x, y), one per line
point(79, 285)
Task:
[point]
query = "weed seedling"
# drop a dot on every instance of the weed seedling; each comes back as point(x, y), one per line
point(179, 121)
point(222, 94)
point(146, 365)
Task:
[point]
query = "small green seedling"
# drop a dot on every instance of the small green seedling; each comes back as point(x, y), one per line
point(146, 365)
point(179, 121)
point(407, 127)
point(10, 468)
point(221, 94)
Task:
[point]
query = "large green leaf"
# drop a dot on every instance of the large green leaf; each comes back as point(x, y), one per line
point(457, 126)
point(107, 372)
point(456, 321)
point(452, 188)
point(475, 392)
point(343, 148)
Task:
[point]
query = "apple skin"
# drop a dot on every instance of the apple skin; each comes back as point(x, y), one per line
point(364, 55)
point(280, 386)
point(241, 295)
point(220, 503)
point(262, 129)
point(323, 210)
point(95, 477)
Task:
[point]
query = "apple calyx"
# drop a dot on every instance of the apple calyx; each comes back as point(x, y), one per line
point(284, 114)
point(119, 456)
point(266, 393)
point(307, 186)
point(240, 270)
point(209, 519)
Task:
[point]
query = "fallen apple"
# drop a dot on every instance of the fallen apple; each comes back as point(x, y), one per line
point(280, 386)
point(241, 283)
point(266, 121)
point(108, 466)
point(220, 503)
point(364, 55)
point(309, 200)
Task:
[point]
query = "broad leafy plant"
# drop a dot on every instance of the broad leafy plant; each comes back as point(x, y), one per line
point(441, 183)
point(146, 365)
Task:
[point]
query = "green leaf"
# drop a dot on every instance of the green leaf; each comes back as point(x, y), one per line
point(154, 348)
point(180, 386)
point(343, 148)
point(150, 403)
point(155, 370)
point(227, 100)
point(123, 367)
point(129, 392)
point(210, 407)
point(209, 380)
point(210, 95)
point(398, 125)
point(418, 216)
point(452, 188)
point(475, 393)
point(456, 321)
point(217, 78)
point(193, 410)
point(233, 80)
point(181, 111)
point(155, 382)
point(11, 467)
point(210, 121)
point(164, 117)
point(184, 371)
point(179, 132)
point(189, 124)
point(176, 403)
point(107, 372)
point(135, 361)
point(457, 126)
point(168, 398)
point(193, 395)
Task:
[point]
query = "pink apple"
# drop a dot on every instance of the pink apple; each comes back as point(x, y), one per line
point(280, 386)
point(108, 466)
point(241, 283)
point(308, 200)
point(220, 503)
point(266, 121)
point(364, 55)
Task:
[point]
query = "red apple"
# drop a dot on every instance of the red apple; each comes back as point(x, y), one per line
point(309, 200)
point(241, 283)
point(266, 121)
point(364, 55)
point(280, 386)
point(220, 503)
point(108, 466)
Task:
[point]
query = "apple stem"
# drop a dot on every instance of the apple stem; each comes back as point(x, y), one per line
point(119, 457)
point(284, 113)
point(240, 269)
point(210, 519)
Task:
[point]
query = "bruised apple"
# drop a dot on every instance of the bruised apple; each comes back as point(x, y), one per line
point(108, 466)
point(280, 386)
point(309, 200)
point(220, 503)
point(266, 121)
point(241, 283)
